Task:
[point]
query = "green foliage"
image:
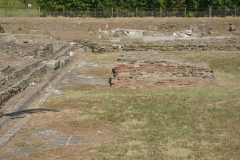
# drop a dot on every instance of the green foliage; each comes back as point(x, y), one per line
point(120, 4)
point(11, 3)
point(73, 5)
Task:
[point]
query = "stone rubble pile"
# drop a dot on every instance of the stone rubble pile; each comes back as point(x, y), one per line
point(185, 33)
point(200, 28)
point(194, 30)
point(120, 32)
point(232, 27)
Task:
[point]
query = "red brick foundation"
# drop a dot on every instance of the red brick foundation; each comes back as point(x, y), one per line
point(142, 70)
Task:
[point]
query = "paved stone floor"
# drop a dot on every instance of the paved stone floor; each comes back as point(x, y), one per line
point(74, 79)
point(54, 138)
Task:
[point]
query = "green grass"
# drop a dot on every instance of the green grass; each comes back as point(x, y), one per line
point(19, 12)
point(185, 123)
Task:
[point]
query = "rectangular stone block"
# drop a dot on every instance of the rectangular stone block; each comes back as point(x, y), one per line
point(53, 64)
point(63, 60)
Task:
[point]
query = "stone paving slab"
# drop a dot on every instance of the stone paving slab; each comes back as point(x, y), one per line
point(25, 150)
point(74, 79)
point(81, 79)
point(90, 65)
point(45, 133)
point(5, 138)
point(55, 138)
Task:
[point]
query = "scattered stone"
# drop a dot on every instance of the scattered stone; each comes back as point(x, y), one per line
point(116, 46)
point(32, 84)
point(194, 28)
point(57, 92)
point(72, 54)
point(126, 32)
point(232, 27)
point(188, 32)
point(200, 28)
point(185, 33)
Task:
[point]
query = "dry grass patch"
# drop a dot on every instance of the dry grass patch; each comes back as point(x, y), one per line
point(182, 123)
point(99, 72)
point(200, 122)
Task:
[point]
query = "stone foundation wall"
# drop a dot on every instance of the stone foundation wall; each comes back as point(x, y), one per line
point(211, 44)
point(11, 75)
point(142, 70)
point(23, 61)
point(22, 84)
point(45, 51)
point(39, 50)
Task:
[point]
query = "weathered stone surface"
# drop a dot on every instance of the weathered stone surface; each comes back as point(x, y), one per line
point(21, 62)
point(201, 44)
point(63, 60)
point(72, 54)
point(148, 69)
point(194, 28)
point(24, 150)
point(22, 84)
point(56, 139)
point(232, 28)
point(53, 64)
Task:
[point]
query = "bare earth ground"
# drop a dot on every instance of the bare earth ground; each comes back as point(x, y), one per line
point(75, 29)
point(95, 132)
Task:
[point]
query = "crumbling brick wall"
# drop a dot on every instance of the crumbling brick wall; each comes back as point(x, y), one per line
point(141, 70)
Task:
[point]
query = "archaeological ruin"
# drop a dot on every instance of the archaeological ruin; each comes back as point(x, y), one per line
point(148, 69)
point(26, 59)
point(44, 61)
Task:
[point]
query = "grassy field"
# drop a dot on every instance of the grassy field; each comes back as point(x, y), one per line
point(178, 123)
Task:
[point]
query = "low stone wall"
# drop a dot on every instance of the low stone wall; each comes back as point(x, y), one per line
point(45, 51)
point(22, 84)
point(141, 70)
point(16, 81)
point(11, 75)
point(23, 60)
point(36, 50)
point(211, 44)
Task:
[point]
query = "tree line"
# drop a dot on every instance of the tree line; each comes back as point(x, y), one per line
point(118, 4)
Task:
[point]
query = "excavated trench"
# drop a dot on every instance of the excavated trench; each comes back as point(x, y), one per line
point(27, 63)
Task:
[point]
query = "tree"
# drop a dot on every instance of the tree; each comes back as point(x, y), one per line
point(11, 3)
